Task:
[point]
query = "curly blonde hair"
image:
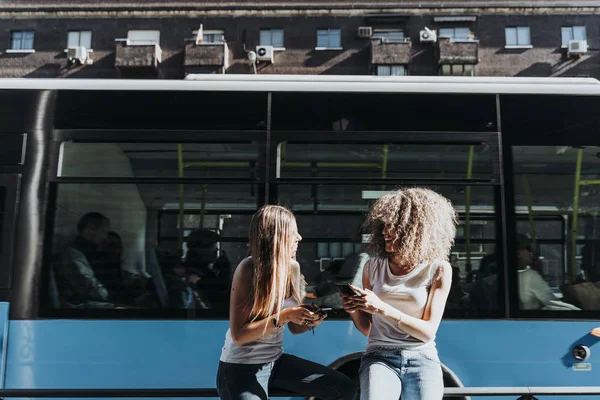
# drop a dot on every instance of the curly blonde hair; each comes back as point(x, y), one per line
point(423, 221)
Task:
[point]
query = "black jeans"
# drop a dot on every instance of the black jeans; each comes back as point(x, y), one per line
point(306, 378)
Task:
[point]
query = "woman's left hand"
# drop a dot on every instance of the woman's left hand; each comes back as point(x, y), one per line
point(315, 323)
point(368, 302)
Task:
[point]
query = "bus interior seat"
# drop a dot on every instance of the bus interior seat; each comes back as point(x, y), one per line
point(153, 267)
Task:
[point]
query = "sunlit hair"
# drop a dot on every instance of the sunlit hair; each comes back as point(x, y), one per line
point(423, 221)
point(272, 231)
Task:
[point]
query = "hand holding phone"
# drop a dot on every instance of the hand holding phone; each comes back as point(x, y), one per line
point(346, 289)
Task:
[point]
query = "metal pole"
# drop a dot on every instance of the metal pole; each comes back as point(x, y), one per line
point(181, 194)
point(572, 264)
point(468, 209)
point(529, 209)
point(384, 164)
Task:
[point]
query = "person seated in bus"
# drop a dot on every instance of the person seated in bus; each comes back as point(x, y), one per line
point(456, 298)
point(180, 284)
point(124, 287)
point(201, 257)
point(406, 287)
point(78, 283)
point(107, 267)
point(264, 299)
point(483, 294)
point(590, 262)
point(534, 291)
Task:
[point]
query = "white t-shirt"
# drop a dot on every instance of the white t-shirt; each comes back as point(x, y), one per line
point(407, 293)
point(534, 291)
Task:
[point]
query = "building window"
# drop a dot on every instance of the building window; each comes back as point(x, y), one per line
point(329, 39)
point(79, 38)
point(457, 70)
point(211, 37)
point(143, 37)
point(391, 70)
point(569, 33)
point(389, 36)
point(517, 36)
point(21, 40)
point(271, 37)
point(455, 33)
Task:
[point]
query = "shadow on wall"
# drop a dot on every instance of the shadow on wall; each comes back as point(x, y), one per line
point(588, 66)
point(46, 71)
point(353, 63)
point(537, 69)
point(172, 67)
point(104, 62)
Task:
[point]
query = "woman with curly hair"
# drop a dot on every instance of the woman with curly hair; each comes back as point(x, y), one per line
point(406, 287)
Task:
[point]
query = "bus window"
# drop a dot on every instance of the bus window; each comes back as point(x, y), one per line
point(160, 160)
point(377, 160)
point(383, 112)
point(8, 203)
point(124, 238)
point(558, 230)
point(145, 109)
point(333, 248)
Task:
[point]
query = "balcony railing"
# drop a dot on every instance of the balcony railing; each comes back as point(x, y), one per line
point(458, 51)
point(130, 54)
point(390, 52)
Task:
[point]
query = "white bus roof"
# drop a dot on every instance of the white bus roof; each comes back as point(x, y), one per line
point(325, 83)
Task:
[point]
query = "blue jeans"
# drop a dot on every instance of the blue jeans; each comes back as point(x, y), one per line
point(391, 374)
point(306, 378)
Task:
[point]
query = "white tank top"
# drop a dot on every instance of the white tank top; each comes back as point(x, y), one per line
point(407, 293)
point(264, 350)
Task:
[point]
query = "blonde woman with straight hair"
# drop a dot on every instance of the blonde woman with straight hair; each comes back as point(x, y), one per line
point(266, 296)
point(405, 290)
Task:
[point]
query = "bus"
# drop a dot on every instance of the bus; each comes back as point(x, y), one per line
point(125, 207)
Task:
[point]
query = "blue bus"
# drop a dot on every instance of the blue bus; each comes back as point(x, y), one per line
point(125, 207)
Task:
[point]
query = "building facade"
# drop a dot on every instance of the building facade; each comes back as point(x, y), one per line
point(161, 39)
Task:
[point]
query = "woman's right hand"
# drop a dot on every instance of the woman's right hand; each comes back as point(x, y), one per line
point(300, 315)
point(349, 304)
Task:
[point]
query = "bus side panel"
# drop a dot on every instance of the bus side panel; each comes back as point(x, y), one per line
point(4, 310)
point(185, 354)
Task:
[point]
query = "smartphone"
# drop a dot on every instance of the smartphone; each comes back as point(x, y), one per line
point(324, 310)
point(346, 289)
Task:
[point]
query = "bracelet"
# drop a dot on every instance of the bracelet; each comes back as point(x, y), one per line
point(399, 321)
point(275, 324)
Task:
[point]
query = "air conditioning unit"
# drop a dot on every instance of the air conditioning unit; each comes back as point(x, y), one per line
point(427, 35)
point(577, 47)
point(365, 32)
point(77, 54)
point(264, 53)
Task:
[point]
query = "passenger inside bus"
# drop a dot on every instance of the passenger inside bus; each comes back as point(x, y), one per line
point(77, 280)
point(534, 292)
point(590, 263)
point(214, 273)
point(483, 293)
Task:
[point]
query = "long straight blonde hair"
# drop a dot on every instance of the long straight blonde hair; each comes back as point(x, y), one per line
point(272, 232)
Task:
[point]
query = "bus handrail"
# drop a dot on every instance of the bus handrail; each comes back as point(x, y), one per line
point(526, 391)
